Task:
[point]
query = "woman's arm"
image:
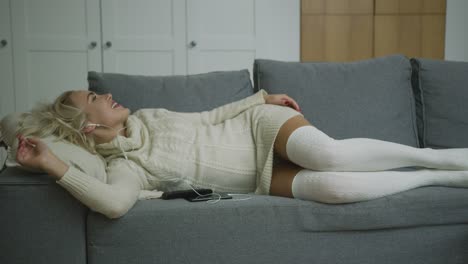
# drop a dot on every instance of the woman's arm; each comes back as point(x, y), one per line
point(231, 110)
point(226, 111)
point(113, 199)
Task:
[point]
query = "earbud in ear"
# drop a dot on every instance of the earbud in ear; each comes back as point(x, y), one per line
point(88, 128)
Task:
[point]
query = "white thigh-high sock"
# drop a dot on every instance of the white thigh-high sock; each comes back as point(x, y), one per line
point(312, 149)
point(348, 187)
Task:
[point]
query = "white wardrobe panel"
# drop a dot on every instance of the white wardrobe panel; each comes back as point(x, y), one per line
point(233, 18)
point(7, 93)
point(56, 43)
point(221, 35)
point(229, 35)
point(59, 75)
point(226, 60)
point(145, 63)
point(141, 31)
point(143, 18)
point(46, 18)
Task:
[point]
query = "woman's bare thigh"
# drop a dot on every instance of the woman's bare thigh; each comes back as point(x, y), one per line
point(282, 177)
point(285, 131)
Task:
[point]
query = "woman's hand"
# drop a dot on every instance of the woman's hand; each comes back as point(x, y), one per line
point(283, 100)
point(33, 153)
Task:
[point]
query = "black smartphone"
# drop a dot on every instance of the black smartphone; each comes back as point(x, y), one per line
point(184, 193)
point(209, 197)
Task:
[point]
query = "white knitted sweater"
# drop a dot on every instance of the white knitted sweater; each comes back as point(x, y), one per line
point(227, 149)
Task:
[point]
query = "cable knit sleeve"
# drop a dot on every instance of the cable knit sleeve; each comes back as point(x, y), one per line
point(114, 198)
point(226, 111)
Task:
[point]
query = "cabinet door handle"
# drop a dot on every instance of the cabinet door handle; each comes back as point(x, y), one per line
point(3, 43)
point(108, 44)
point(193, 44)
point(93, 44)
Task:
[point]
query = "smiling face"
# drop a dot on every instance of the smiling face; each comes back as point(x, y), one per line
point(101, 109)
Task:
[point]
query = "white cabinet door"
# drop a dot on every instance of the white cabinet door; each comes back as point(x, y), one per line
point(53, 47)
point(7, 104)
point(221, 35)
point(144, 37)
point(230, 35)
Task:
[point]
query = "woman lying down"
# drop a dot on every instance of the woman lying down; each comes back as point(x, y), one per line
point(228, 149)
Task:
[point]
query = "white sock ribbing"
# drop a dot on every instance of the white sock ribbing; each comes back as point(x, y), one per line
point(312, 149)
point(348, 187)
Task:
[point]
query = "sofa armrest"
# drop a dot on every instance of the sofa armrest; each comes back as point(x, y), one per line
point(41, 222)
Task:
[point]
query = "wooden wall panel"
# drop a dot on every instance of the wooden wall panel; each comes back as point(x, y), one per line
point(415, 28)
point(312, 38)
point(336, 30)
point(345, 30)
point(385, 7)
point(433, 36)
point(409, 38)
point(312, 7)
point(337, 7)
point(434, 7)
point(361, 37)
point(336, 38)
point(412, 35)
point(386, 35)
point(349, 6)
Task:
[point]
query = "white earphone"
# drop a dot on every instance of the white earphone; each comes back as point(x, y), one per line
point(96, 125)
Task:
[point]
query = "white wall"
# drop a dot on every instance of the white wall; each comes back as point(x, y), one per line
point(279, 29)
point(456, 30)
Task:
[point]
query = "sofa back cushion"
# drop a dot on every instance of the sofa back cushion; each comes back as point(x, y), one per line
point(370, 98)
point(441, 89)
point(191, 93)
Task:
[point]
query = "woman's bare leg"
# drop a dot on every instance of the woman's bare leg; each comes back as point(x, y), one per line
point(284, 170)
point(282, 177)
point(285, 131)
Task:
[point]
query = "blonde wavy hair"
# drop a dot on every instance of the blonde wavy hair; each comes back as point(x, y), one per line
point(61, 119)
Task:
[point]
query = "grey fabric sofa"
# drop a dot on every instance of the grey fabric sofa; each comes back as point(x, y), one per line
point(417, 102)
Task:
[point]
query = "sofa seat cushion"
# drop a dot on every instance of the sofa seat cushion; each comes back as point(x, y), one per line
point(369, 98)
point(441, 89)
point(173, 231)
